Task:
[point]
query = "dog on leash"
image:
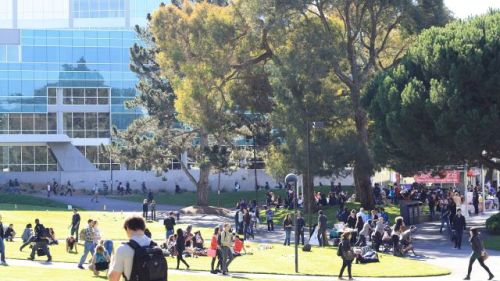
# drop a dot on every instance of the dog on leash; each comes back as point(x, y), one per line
point(71, 244)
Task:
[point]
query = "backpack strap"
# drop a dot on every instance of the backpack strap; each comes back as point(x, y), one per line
point(133, 244)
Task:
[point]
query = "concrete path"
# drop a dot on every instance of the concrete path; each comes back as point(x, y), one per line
point(105, 204)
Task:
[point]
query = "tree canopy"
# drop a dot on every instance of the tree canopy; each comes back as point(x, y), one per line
point(440, 105)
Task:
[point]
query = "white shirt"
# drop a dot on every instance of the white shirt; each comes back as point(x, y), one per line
point(48, 187)
point(123, 260)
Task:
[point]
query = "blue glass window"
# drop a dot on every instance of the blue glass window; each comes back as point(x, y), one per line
point(28, 54)
point(40, 54)
point(3, 53)
point(53, 54)
point(12, 53)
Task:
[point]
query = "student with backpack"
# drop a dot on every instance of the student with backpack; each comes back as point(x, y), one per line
point(130, 258)
point(38, 231)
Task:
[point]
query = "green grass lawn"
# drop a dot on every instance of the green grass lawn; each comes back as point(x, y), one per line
point(492, 242)
point(28, 202)
point(36, 274)
point(277, 260)
point(225, 199)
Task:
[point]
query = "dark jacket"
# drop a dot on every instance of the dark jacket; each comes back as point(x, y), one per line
point(351, 222)
point(345, 246)
point(2, 234)
point(75, 220)
point(476, 245)
point(459, 223)
point(322, 221)
point(180, 244)
point(301, 223)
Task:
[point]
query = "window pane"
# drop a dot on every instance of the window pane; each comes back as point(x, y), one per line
point(78, 96)
point(51, 159)
point(40, 123)
point(92, 154)
point(103, 96)
point(14, 123)
point(4, 123)
point(68, 123)
point(52, 123)
point(67, 97)
point(15, 155)
point(27, 123)
point(104, 121)
point(12, 53)
point(28, 155)
point(41, 155)
point(52, 96)
point(90, 96)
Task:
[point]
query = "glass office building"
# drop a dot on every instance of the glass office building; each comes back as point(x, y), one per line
point(64, 78)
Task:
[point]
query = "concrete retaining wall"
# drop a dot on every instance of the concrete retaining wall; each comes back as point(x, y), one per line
point(166, 181)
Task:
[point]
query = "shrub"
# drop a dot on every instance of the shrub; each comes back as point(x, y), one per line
point(493, 224)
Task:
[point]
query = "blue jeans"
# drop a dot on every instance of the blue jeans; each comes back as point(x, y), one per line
point(2, 250)
point(288, 234)
point(169, 233)
point(88, 248)
point(445, 220)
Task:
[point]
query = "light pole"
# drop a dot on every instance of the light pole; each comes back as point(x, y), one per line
point(255, 169)
point(315, 125)
point(288, 179)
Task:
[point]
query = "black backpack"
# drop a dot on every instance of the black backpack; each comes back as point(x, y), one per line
point(306, 248)
point(149, 263)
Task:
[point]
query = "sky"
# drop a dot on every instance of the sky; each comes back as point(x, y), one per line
point(465, 8)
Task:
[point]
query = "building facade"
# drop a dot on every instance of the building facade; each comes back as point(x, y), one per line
point(64, 78)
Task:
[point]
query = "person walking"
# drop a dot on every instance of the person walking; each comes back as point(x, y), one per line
point(152, 208)
point(180, 246)
point(169, 224)
point(226, 243)
point(287, 225)
point(346, 253)
point(2, 244)
point(88, 245)
point(145, 209)
point(95, 194)
point(445, 215)
point(301, 224)
point(269, 218)
point(217, 252)
point(478, 253)
point(322, 226)
point(75, 224)
point(48, 189)
point(475, 200)
point(459, 227)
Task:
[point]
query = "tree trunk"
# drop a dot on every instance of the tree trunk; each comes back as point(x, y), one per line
point(202, 186)
point(363, 166)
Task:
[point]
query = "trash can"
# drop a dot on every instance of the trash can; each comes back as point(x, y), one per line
point(411, 211)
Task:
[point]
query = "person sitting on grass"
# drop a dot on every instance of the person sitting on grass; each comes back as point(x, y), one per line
point(239, 245)
point(100, 260)
point(10, 233)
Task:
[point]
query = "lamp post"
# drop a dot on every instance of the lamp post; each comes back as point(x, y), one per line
point(289, 179)
point(315, 125)
point(255, 169)
point(484, 154)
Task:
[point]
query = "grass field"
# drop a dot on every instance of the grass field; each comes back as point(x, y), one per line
point(492, 242)
point(28, 202)
point(37, 274)
point(277, 260)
